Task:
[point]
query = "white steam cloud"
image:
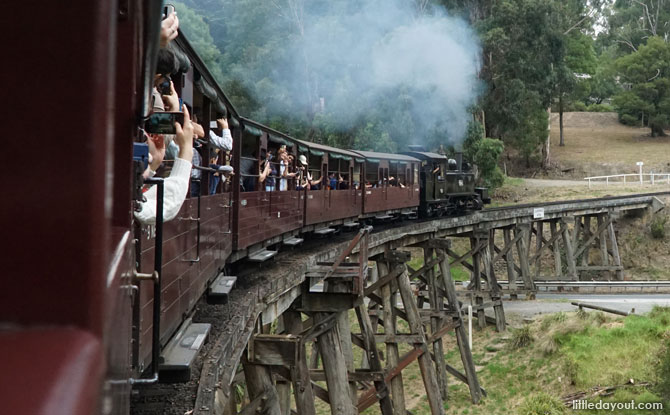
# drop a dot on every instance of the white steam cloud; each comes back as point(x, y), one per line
point(368, 56)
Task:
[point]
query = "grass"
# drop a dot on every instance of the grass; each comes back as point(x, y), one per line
point(591, 350)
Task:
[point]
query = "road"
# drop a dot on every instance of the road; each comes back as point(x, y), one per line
point(553, 303)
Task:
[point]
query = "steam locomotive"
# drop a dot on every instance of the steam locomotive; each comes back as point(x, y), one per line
point(91, 299)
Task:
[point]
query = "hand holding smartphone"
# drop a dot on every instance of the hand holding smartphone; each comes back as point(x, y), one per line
point(163, 122)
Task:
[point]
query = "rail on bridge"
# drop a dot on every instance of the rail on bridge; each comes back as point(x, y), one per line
point(311, 305)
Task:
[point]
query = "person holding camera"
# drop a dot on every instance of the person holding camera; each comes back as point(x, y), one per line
point(176, 185)
point(225, 140)
point(268, 175)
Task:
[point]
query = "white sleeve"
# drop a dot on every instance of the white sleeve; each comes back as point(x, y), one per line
point(225, 142)
point(175, 189)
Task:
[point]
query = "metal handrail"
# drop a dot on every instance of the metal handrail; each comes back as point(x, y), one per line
point(197, 220)
point(156, 278)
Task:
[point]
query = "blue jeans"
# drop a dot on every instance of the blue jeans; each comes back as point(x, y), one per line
point(195, 189)
point(213, 183)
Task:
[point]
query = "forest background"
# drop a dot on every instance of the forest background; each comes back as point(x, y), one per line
point(294, 66)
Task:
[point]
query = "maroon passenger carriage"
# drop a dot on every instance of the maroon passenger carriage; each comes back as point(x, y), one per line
point(391, 185)
point(83, 314)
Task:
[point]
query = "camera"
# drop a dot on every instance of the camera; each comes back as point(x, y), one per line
point(164, 87)
point(269, 157)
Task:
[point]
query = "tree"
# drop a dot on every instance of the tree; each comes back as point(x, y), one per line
point(647, 73)
point(197, 32)
point(631, 22)
point(603, 84)
point(579, 58)
point(485, 153)
point(522, 48)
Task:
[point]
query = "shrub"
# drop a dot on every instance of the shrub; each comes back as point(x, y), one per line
point(599, 318)
point(485, 153)
point(582, 314)
point(542, 404)
point(600, 108)
point(521, 338)
point(658, 227)
point(576, 106)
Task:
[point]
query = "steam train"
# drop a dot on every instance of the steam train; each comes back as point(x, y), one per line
point(90, 297)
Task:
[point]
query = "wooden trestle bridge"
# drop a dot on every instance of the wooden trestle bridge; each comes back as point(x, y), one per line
point(310, 306)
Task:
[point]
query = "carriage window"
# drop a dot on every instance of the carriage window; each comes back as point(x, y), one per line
point(314, 170)
point(249, 162)
point(338, 172)
point(357, 175)
point(401, 175)
point(372, 174)
point(393, 174)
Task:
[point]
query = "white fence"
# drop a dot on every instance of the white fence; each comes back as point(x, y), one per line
point(639, 178)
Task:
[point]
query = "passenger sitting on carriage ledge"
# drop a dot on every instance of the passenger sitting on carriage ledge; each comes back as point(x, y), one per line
point(176, 185)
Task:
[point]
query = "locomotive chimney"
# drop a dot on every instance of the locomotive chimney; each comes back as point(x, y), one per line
point(459, 160)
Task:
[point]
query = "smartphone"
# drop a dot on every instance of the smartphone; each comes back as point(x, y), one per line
point(213, 124)
point(169, 8)
point(163, 122)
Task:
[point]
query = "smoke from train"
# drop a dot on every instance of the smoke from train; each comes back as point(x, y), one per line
point(359, 57)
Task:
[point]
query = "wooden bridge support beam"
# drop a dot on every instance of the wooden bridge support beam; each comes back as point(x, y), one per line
point(461, 336)
point(335, 368)
point(425, 363)
point(615, 252)
point(392, 353)
point(302, 386)
point(603, 238)
point(509, 260)
point(262, 391)
point(437, 305)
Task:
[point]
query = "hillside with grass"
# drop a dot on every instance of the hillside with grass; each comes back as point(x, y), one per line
point(538, 367)
point(597, 144)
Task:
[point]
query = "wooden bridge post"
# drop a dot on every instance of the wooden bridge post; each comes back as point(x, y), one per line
point(524, 254)
point(602, 240)
point(538, 247)
point(494, 288)
point(372, 355)
point(425, 362)
point(262, 392)
point(461, 336)
point(558, 265)
point(509, 260)
point(569, 251)
point(302, 385)
point(437, 306)
point(477, 279)
point(586, 234)
point(615, 251)
point(335, 368)
point(392, 354)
